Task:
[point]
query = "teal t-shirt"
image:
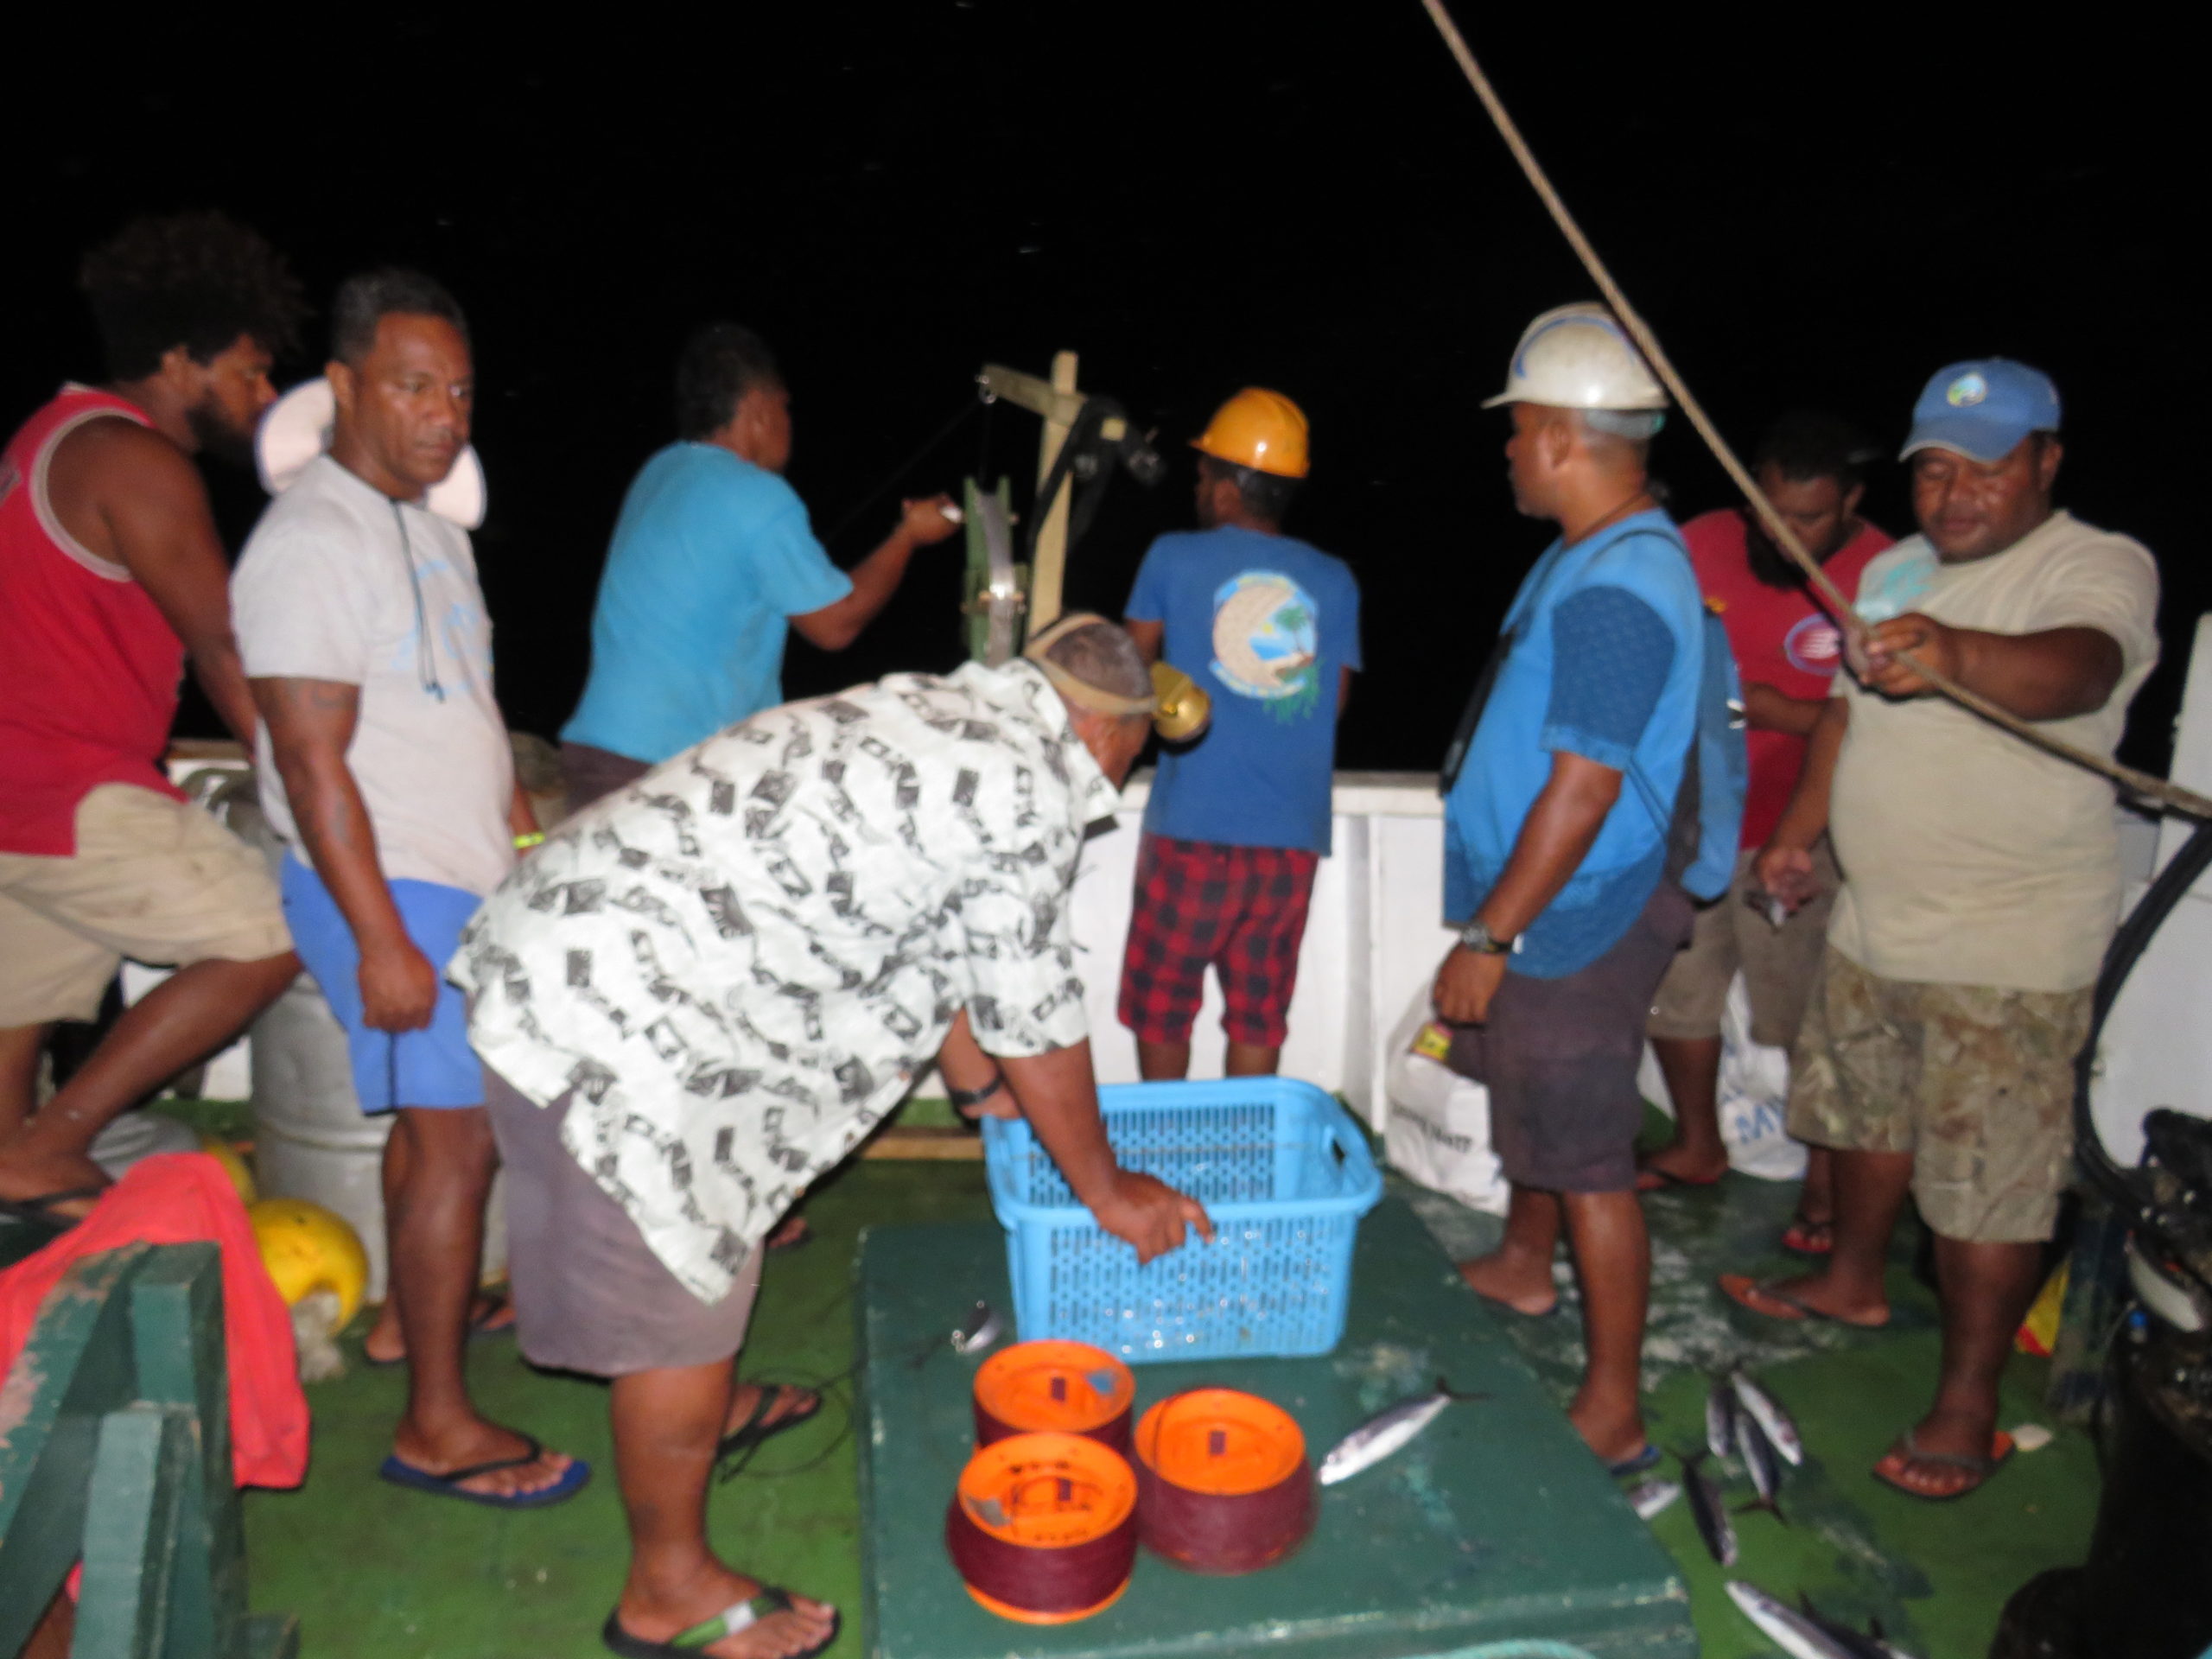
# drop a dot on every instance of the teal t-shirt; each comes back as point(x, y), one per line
point(711, 556)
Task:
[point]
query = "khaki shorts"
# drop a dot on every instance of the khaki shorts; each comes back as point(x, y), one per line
point(1779, 963)
point(1976, 1081)
point(153, 879)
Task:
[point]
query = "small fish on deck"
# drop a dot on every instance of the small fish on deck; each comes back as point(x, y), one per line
point(1781, 1432)
point(1720, 1412)
point(1806, 1635)
point(1761, 1465)
point(1386, 1432)
point(1706, 1509)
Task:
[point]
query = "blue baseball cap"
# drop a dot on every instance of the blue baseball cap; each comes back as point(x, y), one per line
point(1981, 409)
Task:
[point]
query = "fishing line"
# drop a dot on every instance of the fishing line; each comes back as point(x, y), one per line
point(1043, 1528)
point(905, 467)
point(1223, 1485)
point(2139, 782)
point(1068, 1388)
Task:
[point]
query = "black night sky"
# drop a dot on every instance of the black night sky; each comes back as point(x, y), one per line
point(1811, 205)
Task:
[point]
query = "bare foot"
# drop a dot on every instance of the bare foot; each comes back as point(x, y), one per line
point(479, 1442)
point(1614, 1433)
point(1944, 1454)
point(26, 1177)
point(660, 1614)
point(1676, 1165)
point(790, 1401)
point(1525, 1286)
point(386, 1344)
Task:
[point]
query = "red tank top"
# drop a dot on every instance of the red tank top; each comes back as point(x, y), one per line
point(89, 667)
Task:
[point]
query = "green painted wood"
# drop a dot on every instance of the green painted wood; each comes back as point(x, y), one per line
point(1495, 1524)
point(177, 1333)
point(147, 1454)
point(76, 1368)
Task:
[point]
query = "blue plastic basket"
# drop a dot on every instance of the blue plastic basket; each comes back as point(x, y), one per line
point(1281, 1168)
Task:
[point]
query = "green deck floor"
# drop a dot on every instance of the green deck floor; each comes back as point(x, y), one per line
point(372, 1570)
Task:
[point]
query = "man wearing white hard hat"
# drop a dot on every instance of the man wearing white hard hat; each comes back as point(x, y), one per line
point(385, 765)
point(1981, 885)
point(111, 578)
point(1568, 826)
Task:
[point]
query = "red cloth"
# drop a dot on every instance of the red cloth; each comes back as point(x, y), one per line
point(1781, 638)
point(183, 1197)
point(1240, 908)
point(89, 666)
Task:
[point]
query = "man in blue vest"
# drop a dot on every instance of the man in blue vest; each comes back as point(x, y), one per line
point(1561, 851)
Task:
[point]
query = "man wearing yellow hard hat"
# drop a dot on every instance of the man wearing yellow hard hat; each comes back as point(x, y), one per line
point(1238, 822)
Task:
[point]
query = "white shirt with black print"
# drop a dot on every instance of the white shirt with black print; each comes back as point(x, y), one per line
point(740, 962)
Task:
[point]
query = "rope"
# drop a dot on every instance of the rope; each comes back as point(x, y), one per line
point(2139, 782)
point(901, 470)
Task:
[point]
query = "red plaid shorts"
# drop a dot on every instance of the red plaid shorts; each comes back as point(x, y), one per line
point(1242, 909)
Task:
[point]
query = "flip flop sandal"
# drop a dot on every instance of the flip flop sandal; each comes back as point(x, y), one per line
point(481, 1329)
point(1803, 1237)
point(1651, 1178)
point(40, 1211)
point(737, 1617)
point(1741, 1287)
point(1907, 1450)
point(799, 1241)
point(756, 1429)
point(402, 1473)
point(1636, 1463)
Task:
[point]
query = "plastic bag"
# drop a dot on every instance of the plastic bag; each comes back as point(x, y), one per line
point(1754, 1096)
point(1439, 1129)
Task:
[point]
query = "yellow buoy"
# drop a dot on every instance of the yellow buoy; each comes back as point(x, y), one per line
point(306, 1248)
point(233, 1166)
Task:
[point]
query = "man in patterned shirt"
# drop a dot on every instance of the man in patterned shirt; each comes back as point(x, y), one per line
point(706, 989)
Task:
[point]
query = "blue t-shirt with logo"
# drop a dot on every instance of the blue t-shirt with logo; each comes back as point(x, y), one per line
point(710, 556)
point(1266, 625)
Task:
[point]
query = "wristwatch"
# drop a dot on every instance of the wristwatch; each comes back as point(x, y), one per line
point(1477, 936)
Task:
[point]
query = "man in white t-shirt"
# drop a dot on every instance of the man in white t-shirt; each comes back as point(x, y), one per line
point(384, 765)
point(1981, 885)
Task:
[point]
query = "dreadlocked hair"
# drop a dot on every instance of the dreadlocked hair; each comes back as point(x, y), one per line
point(198, 280)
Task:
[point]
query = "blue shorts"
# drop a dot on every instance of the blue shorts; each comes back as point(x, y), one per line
point(432, 1067)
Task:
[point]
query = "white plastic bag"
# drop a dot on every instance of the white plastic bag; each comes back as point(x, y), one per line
point(1754, 1092)
point(1438, 1132)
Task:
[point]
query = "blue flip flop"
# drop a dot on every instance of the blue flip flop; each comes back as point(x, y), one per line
point(400, 1473)
point(1636, 1463)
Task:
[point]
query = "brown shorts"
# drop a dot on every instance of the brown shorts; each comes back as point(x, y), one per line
point(591, 773)
point(153, 879)
point(1779, 963)
point(1560, 1057)
point(589, 1294)
point(1976, 1081)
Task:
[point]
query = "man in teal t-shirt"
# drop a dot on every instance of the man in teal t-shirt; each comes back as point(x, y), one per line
point(1238, 822)
point(711, 558)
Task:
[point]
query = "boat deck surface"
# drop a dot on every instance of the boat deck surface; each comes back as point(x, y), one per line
point(375, 1570)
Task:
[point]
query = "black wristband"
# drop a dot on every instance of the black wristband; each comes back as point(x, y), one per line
point(964, 1098)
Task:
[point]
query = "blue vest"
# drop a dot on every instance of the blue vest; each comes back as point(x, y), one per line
point(1507, 764)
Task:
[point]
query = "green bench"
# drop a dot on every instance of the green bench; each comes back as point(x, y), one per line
point(115, 1448)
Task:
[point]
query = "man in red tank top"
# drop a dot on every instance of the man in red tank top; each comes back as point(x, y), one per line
point(112, 576)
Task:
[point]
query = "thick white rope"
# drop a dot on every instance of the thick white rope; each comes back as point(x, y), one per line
point(2138, 782)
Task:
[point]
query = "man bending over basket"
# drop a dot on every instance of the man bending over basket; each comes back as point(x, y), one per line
point(707, 987)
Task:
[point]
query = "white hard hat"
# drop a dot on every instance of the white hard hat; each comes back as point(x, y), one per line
point(297, 429)
point(1580, 357)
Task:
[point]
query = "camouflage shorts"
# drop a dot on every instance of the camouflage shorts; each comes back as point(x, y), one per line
point(1977, 1083)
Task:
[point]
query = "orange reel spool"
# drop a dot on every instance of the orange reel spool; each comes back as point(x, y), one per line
point(1058, 1387)
point(1042, 1527)
point(1223, 1485)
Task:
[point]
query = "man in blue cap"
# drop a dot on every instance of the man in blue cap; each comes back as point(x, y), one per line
point(1981, 883)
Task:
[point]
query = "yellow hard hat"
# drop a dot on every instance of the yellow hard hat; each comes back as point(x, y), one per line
point(233, 1166)
point(306, 1248)
point(1258, 429)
